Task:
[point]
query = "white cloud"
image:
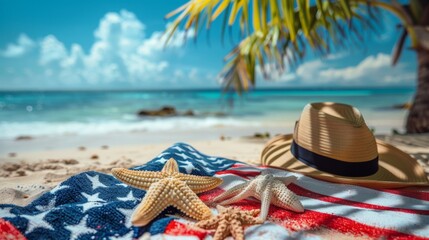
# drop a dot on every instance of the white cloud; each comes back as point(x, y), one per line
point(370, 65)
point(24, 44)
point(120, 53)
point(51, 50)
point(156, 42)
point(371, 71)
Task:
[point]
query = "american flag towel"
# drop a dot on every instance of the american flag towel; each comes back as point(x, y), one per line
point(94, 205)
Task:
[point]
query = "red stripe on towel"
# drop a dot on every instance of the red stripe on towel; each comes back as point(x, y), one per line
point(313, 220)
point(243, 174)
point(307, 193)
point(180, 229)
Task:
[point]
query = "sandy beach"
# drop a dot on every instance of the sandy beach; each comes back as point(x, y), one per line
point(29, 167)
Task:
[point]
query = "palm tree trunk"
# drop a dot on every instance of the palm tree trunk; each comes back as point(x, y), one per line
point(418, 117)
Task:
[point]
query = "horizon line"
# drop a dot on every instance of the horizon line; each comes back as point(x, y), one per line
point(311, 88)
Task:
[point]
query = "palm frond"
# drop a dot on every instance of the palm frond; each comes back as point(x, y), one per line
point(397, 50)
point(276, 31)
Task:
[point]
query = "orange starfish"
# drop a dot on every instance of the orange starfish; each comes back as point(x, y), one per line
point(230, 221)
point(167, 188)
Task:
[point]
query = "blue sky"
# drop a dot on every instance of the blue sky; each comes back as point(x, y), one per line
point(111, 44)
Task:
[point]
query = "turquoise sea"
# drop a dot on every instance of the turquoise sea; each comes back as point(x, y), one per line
point(38, 113)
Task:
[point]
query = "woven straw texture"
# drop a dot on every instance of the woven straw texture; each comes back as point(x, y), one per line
point(339, 131)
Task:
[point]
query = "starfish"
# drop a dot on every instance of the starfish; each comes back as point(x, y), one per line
point(167, 188)
point(267, 188)
point(230, 221)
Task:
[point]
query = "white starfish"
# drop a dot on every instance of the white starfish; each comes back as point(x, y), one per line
point(269, 189)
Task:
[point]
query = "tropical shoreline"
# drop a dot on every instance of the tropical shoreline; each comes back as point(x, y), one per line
point(48, 161)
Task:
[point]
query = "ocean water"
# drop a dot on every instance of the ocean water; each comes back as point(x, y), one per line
point(93, 112)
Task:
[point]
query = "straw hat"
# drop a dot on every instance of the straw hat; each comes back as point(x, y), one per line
point(332, 142)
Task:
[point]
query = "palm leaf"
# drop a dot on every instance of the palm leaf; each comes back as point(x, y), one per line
point(276, 33)
point(397, 50)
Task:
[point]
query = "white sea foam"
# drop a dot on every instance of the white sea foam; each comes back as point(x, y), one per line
point(14, 129)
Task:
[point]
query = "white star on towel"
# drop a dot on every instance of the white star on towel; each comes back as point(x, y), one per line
point(88, 205)
point(163, 154)
point(5, 213)
point(208, 170)
point(129, 197)
point(202, 162)
point(225, 165)
point(93, 197)
point(127, 213)
point(190, 148)
point(36, 221)
point(219, 161)
point(58, 188)
point(178, 148)
point(95, 182)
point(182, 155)
point(48, 206)
point(195, 154)
point(162, 160)
point(188, 166)
point(122, 184)
point(79, 229)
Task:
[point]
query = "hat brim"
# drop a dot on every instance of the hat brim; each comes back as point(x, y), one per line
point(396, 168)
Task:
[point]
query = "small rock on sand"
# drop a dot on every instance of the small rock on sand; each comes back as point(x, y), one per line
point(94, 156)
point(70, 161)
point(104, 147)
point(10, 167)
point(24, 137)
point(162, 112)
point(403, 106)
point(12, 154)
point(81, 148)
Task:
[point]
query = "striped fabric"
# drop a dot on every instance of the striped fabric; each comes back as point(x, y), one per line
point(94, 205)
